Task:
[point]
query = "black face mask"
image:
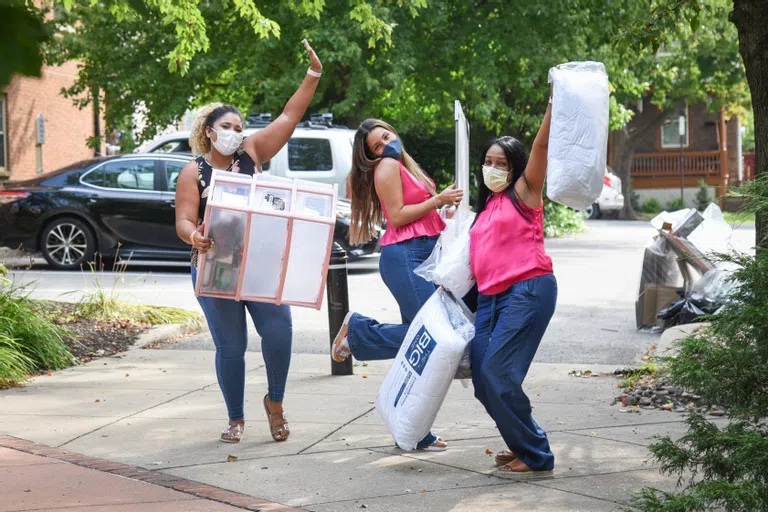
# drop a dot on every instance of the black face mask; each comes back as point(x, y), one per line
point(393, 150)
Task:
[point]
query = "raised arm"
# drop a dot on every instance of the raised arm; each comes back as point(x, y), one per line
point(389, 188)
point(264, 144)
point(530, 188)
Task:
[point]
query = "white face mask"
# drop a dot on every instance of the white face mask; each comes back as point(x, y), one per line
point(495, 179)
point(227, 141)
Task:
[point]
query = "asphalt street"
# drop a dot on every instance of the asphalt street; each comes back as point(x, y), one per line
point(598, 272)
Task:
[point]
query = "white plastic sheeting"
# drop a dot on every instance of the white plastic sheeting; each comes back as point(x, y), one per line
point(578, 137)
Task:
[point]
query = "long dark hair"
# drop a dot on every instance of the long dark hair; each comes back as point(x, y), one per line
point(517, 159)
point(366, 209)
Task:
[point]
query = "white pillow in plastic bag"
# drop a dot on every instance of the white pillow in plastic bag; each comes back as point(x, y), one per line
point(578, 137)
point(416, 385)
point(449, 264)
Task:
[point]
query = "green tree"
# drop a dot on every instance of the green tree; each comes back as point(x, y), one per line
point(693, 64)
point(22, 32)
point(124, 56)
point(748, 16)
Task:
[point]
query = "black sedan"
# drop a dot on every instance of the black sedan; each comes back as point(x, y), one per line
point(118, 207)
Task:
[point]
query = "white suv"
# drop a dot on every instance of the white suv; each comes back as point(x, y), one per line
point(611, 199)
point(314, 152)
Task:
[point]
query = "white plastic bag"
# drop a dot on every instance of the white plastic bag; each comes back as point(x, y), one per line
point(578, 137)
point(449, 264)
point(416, 385)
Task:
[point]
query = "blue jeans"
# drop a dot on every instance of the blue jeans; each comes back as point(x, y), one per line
point(509, 327)
point(226, 321)
point(370, 340)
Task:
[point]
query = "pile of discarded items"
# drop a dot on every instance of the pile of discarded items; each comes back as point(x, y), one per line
point(683, 279)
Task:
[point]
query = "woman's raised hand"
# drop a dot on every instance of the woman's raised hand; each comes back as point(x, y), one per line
point(451, 196)
point(314, 61)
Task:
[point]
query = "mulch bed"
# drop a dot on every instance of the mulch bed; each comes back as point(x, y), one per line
point(93, 338)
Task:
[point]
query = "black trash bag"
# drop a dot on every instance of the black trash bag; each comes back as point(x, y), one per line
point(688, 310)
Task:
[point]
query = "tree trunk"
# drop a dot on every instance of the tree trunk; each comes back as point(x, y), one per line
point(623, 150)
point(750, 17)
point(624, 143)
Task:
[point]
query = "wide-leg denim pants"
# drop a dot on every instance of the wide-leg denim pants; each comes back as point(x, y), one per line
point(509, 327)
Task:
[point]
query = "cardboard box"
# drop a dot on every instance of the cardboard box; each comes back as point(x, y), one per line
point(653, 299)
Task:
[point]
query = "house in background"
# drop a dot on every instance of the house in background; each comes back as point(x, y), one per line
point(710, 152)
point(41, 130)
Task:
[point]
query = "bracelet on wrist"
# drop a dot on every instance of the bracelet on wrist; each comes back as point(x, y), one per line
point(192, 238)
point(316, 74)
point(434, 200)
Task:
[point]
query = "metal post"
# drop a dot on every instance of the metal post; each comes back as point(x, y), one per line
point(338, 303)
point(681, 131)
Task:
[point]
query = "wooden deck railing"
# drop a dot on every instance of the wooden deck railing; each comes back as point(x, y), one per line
point(695, 163)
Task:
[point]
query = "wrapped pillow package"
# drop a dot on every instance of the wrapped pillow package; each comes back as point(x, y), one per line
point(417, 383)
point(272, 239)
point(578, 136)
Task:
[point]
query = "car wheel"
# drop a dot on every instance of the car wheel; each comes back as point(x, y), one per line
point(67, 243)
point(592, 212)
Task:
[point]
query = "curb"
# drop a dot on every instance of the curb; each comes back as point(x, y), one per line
point(163, 333)
point(198, 489)
point(675, 334)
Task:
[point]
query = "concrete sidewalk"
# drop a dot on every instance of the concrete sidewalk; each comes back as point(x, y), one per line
point(160, 411)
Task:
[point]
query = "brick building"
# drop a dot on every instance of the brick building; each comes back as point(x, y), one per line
point(66, 127)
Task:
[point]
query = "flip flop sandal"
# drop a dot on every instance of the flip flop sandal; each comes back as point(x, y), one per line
point(438, 445)
point(233, 433)
point(280, 432)
point(504, 457)
point(338, 351)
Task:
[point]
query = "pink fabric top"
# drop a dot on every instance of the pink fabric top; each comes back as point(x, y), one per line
point(505, 248)
point(414, 192)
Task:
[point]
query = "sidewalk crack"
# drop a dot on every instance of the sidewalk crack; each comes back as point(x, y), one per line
point(334, 431)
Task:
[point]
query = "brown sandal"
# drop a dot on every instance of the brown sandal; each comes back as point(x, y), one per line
point(518, 466)
point(340, 348)
point(505, 457)
point(234, 432)
point(278, 426)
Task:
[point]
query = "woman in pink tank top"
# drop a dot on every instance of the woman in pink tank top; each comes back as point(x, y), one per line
point(386, 183)
point(517, 293)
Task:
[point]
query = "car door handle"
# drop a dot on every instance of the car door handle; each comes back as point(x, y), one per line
point(171, 203)
point(92, 198)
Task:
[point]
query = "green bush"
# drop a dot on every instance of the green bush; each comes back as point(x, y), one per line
point(28, 340)
point(722, 467)
point(560, 220)
point(675, 204)
point(634, 200)
point(702, 196)
point(652, 205)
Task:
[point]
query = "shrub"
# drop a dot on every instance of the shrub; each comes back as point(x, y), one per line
point(634, 200)
point(702, 196)
point(675, 204)
point(652, 205)
point(723, 468)
point(28, 340)
point(560, 220)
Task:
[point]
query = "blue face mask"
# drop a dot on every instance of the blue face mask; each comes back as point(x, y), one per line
point(393, 150)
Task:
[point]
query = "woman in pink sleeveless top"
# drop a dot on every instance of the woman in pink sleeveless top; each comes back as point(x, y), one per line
point(386, 183)
point(517, 293)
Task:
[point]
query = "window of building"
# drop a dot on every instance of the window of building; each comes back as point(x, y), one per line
point(3, 137)
point(670, 134)
point(309, 155)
